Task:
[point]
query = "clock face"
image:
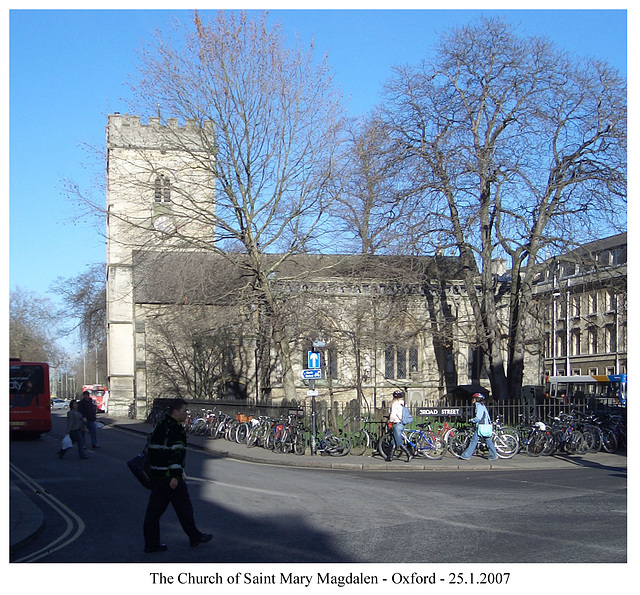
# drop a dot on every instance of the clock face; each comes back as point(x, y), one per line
point(164, 224)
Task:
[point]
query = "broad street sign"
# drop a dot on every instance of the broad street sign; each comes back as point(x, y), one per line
point(439, 411)
point(311, 374)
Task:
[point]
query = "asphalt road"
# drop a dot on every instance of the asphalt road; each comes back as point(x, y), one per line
point(270, 514)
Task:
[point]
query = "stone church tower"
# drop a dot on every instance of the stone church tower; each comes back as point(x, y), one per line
point(155, 175)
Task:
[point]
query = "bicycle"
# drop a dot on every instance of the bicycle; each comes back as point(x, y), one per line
point(387, 448)
point(533, 436)
point(424, 442)
point(332, 445)
point(566, 436)
point(505, 441)
point(363, 439)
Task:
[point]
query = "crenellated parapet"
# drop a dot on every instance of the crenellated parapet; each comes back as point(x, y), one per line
point(127, 131)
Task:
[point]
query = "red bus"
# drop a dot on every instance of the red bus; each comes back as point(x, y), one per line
point(29, 398)
point(99, 395)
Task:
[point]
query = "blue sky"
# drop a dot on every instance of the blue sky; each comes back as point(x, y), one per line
point(68, 68)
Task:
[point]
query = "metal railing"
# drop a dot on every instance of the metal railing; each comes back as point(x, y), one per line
point(349, 417)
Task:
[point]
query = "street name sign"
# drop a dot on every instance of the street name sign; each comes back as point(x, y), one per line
point(439, 411)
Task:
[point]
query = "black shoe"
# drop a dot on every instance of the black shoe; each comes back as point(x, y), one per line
point(151, 549)
point(96, 446)
point(204, 538)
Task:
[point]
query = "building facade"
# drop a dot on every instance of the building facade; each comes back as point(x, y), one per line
point(180, 320)
point(582, 298)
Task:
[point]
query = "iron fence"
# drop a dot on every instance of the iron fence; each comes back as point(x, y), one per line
point(350, 417)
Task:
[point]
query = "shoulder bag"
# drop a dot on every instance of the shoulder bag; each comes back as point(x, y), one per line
point(485, 427)
point(139, 466)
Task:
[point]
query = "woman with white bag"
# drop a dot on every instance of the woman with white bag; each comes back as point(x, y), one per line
point(75, 431)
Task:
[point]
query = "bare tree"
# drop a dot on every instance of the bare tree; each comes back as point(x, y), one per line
point(368, 213)
point(266, 118)
point(84, 304)
point(514, 151)
point(31, 328)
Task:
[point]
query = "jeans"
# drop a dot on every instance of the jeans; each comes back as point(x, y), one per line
point(77, 436)
point(91, 426)
point(397, 435)
point(493, 454)
point(161, 496)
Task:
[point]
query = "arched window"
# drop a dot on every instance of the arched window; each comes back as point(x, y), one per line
point(162, 188)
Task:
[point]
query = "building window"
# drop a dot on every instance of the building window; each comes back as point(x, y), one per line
point(593, 339)
point(610, 339)
point(400, 362)
point(592, 303)
point(162, 188)
point(548, 351)
point(575, 342)
point(575, 306)
point(390, 362)
point(561, 344)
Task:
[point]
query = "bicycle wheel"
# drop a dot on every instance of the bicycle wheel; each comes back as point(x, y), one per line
point(284, 444)
point(433, 447)
point(574, 443)
point(536, 444)
point(336, 446)
point(448, 436)
point(459, 443)
point(385, 446)
point(299, 442)
point(506, 444)
point(270, 440)
point(359, 443)
point(592, 439)
point(609, 440)
point(242, 432)
point(200, 428)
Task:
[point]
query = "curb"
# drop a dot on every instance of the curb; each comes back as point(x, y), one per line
point(26, 519)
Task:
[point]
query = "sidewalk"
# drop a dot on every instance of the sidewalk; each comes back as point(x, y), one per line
point(27, 520)
point(225, 449)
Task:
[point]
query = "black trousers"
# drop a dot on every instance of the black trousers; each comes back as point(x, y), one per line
point(161, 495)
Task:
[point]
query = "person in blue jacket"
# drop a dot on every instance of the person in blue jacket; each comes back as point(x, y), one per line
point(481, 412)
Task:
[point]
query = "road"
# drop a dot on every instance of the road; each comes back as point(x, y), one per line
point(266, 514)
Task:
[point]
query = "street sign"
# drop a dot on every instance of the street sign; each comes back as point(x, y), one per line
point(311, 374)
point(439, 411)
point(313, 359)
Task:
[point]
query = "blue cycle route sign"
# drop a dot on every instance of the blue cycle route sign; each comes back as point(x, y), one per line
point(311, 374)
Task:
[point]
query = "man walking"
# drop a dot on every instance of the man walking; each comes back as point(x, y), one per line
point(167, 449)
point(88, 408)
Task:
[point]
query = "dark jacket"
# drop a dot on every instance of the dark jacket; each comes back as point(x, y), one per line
point(88, 409)
point(167, 449)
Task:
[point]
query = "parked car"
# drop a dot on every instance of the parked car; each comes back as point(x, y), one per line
point(59, 403)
